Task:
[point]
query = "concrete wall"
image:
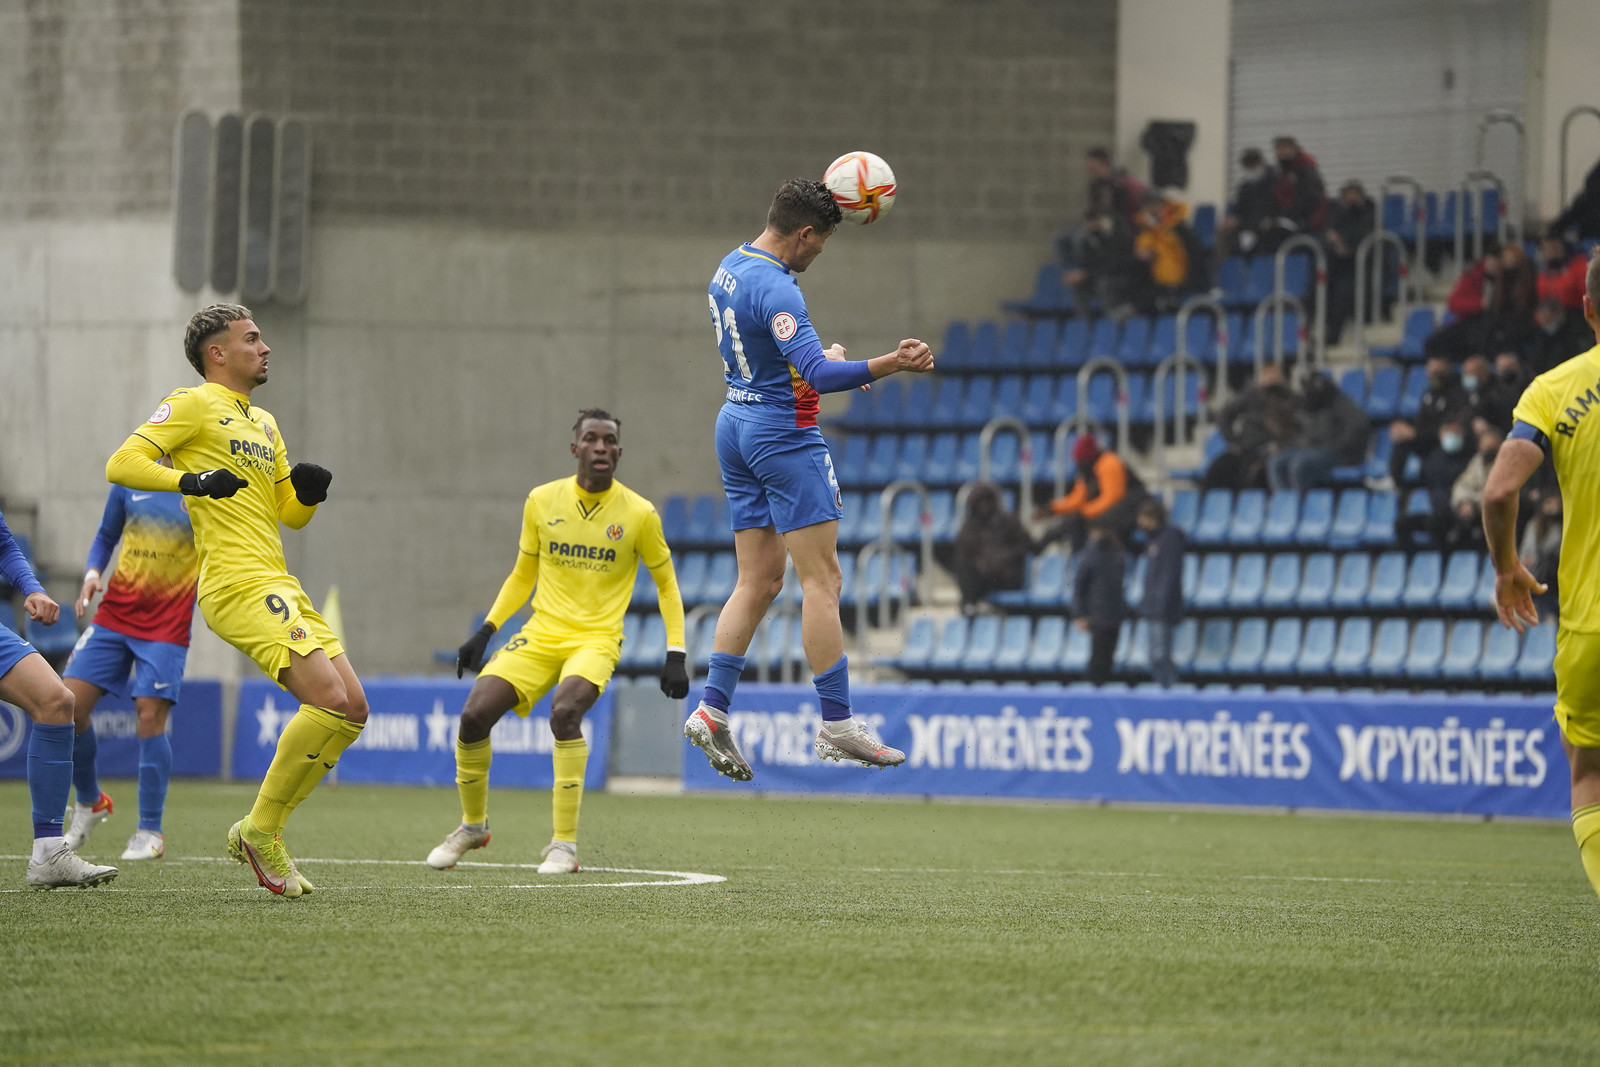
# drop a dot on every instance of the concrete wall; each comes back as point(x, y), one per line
point(1562, 76)
point(1172, 63)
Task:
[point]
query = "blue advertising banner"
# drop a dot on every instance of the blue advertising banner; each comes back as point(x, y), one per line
point(195, 727)
point(411, 735)
point(1478, 755)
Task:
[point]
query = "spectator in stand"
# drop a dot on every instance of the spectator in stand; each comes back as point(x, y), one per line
point(1333, 433)
point(1349, 223)
point(1493, 302)
point(1162, 251)
point(1559, 335)
point(990, 552)
point(1540, 549)
point(1561, 272)
point(1252, 205)
point(1440, 469)
point(1443, 401)
point(1106, 491)
point(1162, 605)
point(1097, 255)
point(1581, 219)
point(1488, 397)
point(1097, 598)
point(1466, 496)
point(1299, 197)
point(1254, 423)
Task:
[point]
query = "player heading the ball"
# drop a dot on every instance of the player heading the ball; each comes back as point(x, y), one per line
point(783, 492)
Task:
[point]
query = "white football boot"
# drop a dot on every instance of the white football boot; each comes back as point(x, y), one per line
point(458, 844)
point(145, 845)
point(707, 729)
point(851, 740)
point(560, 857)
point(85, 817)
point(55, 866)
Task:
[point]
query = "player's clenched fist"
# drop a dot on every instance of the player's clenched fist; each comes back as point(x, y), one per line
point(675, 675)
point(310, 483)
point(914, 355)
point(469, 657)
point(41, 608)
point(215, 484)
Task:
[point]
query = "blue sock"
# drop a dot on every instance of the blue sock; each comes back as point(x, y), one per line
point(49, 777)
point(155, 767)
point(833, 690)
point(722, 678)
point(85, 747)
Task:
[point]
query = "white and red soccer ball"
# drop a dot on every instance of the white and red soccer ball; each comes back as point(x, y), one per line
point(862, 185)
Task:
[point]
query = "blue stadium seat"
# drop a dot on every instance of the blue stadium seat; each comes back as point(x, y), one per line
point(1072, 350)
point(1133, 349)
point(957, 348)
point(1389, 648)
point(1233, 280)
point(1216, 641)
point(879, 469)
point(1046, 297)
point(701, 643)
point(1041, 350)
point(632, 624)
point(1191, 576)
point(1465, 649)
point(1013, 345)
point(1185, 639)
point(966, 468)
point(918, 648)
point(1216, 514)
point(1537, 662)
point(1388, 582)
point(1283, 517)
point(1416, 384)
point(983, 642)
point(1103, 340)
point(1383, 398)
point(645, 596)
point(978, 404)
point(692, 571)
point(652, 646)
point(1350, 655)
point(1039, 405)
point(1316, 517)
point(849, 526)
point(1008, 396)
point(1205, 224)
point(1141, 404)
point(1485, 594)
point(1100, 402)
point(721, 577)
point(1216, 573)
point(1134, 655)
point(8, 619)
point(53, 640)
point(917, 402)
point(858, 416)
point(1016, 638)
point(1185, 510)
point(1420, 324)
point(1133, 580)
point(1418, 506)
point(1249, 516)
point(1075, 652)
point(947, 403)
point(1353, 383)
point(886, 403)
point(1354, 578)
point(942, 509)
point(985, 346)
point(913, 454)
point(1460, 581)
point(850, 461)
point(1287, 323)
point(1049, 635)
point(939, 468)
point(1422, 583)
point(674, 517)
point(1283, 647)
point(1501, 649)
point(1283, 582)
point(1163, 339)
point(1382, 511)
point(1249, 580)
point(1249, 647)
point(1316, 582)
point(1317, 650)
point(1349, 519)
point(1427, 648)
point(703, 516)
point(952, 646)
point(905, 518)
point(1004, 450)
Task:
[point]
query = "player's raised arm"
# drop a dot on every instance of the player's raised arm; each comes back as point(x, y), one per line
point(658, 557)
point(515, 591)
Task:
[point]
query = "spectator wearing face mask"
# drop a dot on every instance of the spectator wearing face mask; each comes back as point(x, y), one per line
point(1333, 433)
point(1443, 400)
point(1488, 397)
point(1561, 334)
point(1251, 206)
point(1466, 496)
point(1493, 302)
point(1439, 471)
point(1299, 195)
point(1349, 224)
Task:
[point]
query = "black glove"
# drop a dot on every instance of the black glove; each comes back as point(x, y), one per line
point(675, 676)
point(469, 657)
point(214, 484)
point(310, 483)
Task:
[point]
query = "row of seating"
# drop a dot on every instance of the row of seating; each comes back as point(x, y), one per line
point(709, 578)
point(52, 641)
point(1325, 518)
point(1241, 281)
point(1467, 650)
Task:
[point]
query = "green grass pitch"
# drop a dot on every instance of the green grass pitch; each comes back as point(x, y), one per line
point(846, 932)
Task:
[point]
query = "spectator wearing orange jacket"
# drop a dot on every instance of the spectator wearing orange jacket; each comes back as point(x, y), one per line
point(1105, 490)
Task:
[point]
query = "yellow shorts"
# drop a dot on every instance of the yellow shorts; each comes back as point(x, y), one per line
point(1578, 687)
point(268, 618)
point(535, 663)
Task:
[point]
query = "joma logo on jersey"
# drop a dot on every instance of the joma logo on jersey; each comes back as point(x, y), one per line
point(562, 548)
point(1580, 407)
point(251, 449)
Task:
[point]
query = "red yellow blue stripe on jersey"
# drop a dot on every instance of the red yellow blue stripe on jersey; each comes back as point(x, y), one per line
point(150, 596)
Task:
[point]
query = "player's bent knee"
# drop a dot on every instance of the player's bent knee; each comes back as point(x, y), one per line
point(56, 707)
point(566, 721)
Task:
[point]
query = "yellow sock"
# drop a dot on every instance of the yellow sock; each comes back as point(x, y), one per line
point(301, 742)
point(1586, 828)
point(472, 780)
point(569, 759)
point(316, 770)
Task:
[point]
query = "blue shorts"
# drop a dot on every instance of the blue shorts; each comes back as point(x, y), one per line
point(776, 475)
point(13, 650)
point(104, 658)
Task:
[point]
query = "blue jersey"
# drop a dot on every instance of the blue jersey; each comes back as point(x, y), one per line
point(766, 339)
point(14, 564)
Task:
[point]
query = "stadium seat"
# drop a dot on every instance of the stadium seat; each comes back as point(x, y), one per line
point(978, 403)
point(1354, 578)
point(939, 467)
point(1389, 648)
point(1046, 297)
point(1349, 519)
point(1249, 580)
point(1485, 594)
point(918, 647)
point(1133, 580)
point(1216, 573)
point(1013, 345)
point(1073, 347)
point(1185, 639)
point(1353, 383)
point(1427, 648)
point(1536, 664)
point(1283, 517)
point(1163, 339)
point(942, 509)
point(1133, 349)
point(1249, 647)
point(879, 468)
point(1249, 516)
point(1041, 350)
point(704, 514)
point(1283, 582)
point(1216, 514)
point(1233, 279)
point(8, 619)
point(983, 642)
point(1205, 224)
point(701, 643)
point(1049, 635)
point(985, 354)
point(947, 403)
point(913, 454)
point(644, 595)
point(1388, 582)
point(1416, 384)
point(1216, 641)
point(1316, 582)
point(1039, 405)
point(674, 516)
point(1016, 637)
point(905, 518)
point(957, 346)
point(1133, 647)
point(1200, 337)
point(1354, 647)
point(1317, 649)
point(952, 645)
point(1460, 581)
point(887, 403)
point(1009, 390)
point(1103, 340)
point(1383, 397)
point(1316, 517)
point(721, 577)
point(1501, 649)
point(652, 647)
point(1283, 647)
point(1464, 651)
point(1185, 511)
point(1191, 576)
point(966, 468)
point(1382, 511)
point(1422, 583)
point(854, 504)
point(915, 405)
point(1100, 401)
point(1075, 651)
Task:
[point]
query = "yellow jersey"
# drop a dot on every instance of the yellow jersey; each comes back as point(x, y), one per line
point(1554, 413)
point(578, 555)
point(211, 427)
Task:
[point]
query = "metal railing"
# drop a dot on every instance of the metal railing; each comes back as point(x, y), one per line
point(886, 593)
point(1280, 304)
point(1372, 247)
point(1219, 319)
point(1001, 424)
point(1317, 329)
point(1419, 211)
point(691, 631)
point(1473, 188)
point(1183, 433)
point(1566, 128)
point(1082, 422)
point(886, 540)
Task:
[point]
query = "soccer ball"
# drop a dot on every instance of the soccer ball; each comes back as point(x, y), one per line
point(863, 186)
